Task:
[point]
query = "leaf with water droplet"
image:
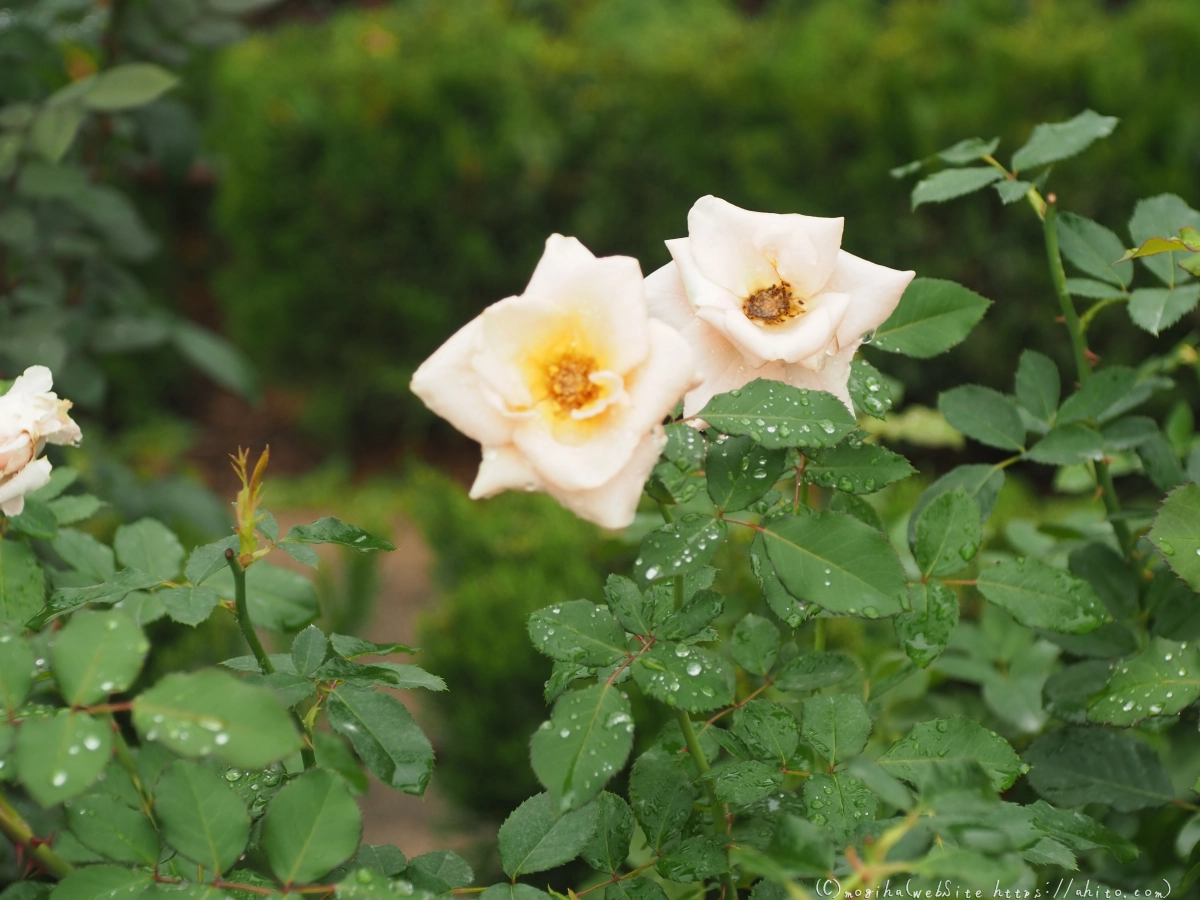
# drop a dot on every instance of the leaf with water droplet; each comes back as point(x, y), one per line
point(933, 315)
point(869, 389)
point(537, 836)
point(948, 741)
point(856, 467)
point(666, 675)
point(578, 631)
point(107, 826)
point(1160, 681)
point(816, 670)
point(947, 534)
point(768, 731)
point(755, 644)
point(928, 626)
point(1041, 596)
point(791, 610)
point(845, 803)
point(739, 471)
point(201, 815)
point(1176, 533)
point(597, 722)
point(678, 548)
point(1074, 766)
point(692, 860)
point(836, 725)
point(96, 654)
point(661, 794)
point(46, 765)
point(608, 848)
point(697, 612)
point(763, 405)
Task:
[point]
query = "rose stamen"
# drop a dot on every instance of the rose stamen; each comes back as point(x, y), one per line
point(569, 384)
point(773, 305)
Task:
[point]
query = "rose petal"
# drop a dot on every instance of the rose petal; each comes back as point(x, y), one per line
point(13, 490)
point(449, 385)
point(722, 244)
point(504, 469)
point(701, 290)
point(803, 249)
point(874, 292)
point(613, 504)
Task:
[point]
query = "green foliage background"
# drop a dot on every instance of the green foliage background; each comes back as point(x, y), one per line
point(390, 172)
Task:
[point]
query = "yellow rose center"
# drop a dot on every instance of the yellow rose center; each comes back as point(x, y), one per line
point(568, 384)
point(773, 305)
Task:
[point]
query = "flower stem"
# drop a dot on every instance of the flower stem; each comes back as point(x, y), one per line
point(818, 633)
point(694, 748)
point(1082, 367)
point(251, 636)
point(125, 759)
point(17, 830)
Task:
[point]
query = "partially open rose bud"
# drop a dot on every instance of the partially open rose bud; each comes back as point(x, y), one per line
point(31, 416)
point(760, 295)
point(564, 386)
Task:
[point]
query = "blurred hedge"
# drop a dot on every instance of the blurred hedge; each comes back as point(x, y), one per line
point(389, 172)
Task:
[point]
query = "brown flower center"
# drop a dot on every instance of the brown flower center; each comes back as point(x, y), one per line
point(773, 305)
point(568, 384)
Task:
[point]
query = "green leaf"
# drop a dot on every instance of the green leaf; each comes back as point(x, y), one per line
point(945, 741)
point(981, 482)
point(697, 611)
point(1074, 766)
point(1162, 680)
point(783, 604)
point(840, 802)
point(693, 860)
point(210, 711)
point(578, 631)
point(985, 415)
point(311, 825)
point(1038, 386)
point(869, 389)
point(22, 584)
point(17, 667)
point(1040, 596)
point(62, 756)
point(36, 520)
point(103, 883)
point(127, 86)
point(1109, 575)
point(928, 628)
point(54, 129)
point(950, 183)
point(112, 591)
point(1052, 142)
point(768, 730)
point(969, 150)
point(209, 559)
point(690, 678)
point(385, 737)
point(1176, 533)
point(679, 547)
point(778, 415)
point(97, 654)
point(1163, 216)
point(352, 647)
point(535, 837)
point(202, 817)
point(856, 467)
point(638, 613)
point(585, 742)
point(1093, 249)
point(84, 553)
point(217, 358)
point(1081, 832)
point(738, 471)
point(837, 725)
point(1128, 432)
point(329, 530)
point(1011, 190)
point(685, 446)
point(445, 867)
point(308, 650)
point(948, 534)
point(933, 315)
point(1095, 290)
point(149, 546)
point(608, 848)
point(189, 605)
point(798, 849)
point(384, 859)
point(74, 508)
point(1068, 444)
point(1103, 393)
point(816, 670)
point(1160, 463)
point(836, 562)
point(107, 826)
point(755, 644)
point(661, 794)
point(1155, 309)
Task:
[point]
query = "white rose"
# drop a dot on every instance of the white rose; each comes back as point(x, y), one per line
point(760, 295)
point(564, 386)
point(31, 416)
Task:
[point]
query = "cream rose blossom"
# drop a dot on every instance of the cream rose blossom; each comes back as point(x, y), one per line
point(760, 295)
point(31, 416)
point(564, 386)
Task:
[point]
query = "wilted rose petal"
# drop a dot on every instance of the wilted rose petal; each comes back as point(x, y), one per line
point(564, 386)
point(760, 295)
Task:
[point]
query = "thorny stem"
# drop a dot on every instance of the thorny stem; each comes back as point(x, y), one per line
point(1083, 369)
point(697, 752)
point(17, 830)
point(251, 636)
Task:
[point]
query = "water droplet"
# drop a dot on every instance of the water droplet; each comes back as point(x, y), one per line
point(694, 668)
point(1166, 547)
point(59, 779)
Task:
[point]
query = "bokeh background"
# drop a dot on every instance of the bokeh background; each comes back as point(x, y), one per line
point(335, 187)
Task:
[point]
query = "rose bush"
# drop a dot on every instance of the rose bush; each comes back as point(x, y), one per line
point(928, 701)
